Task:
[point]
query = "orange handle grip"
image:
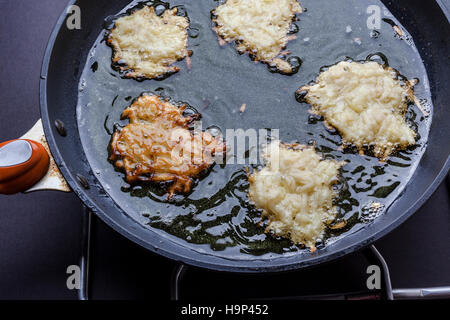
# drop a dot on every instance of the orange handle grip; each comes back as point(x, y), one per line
point(22, 164)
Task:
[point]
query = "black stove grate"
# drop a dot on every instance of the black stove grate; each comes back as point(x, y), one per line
point(371, 253)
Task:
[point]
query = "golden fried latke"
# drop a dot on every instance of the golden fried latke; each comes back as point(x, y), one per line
point(158, 146)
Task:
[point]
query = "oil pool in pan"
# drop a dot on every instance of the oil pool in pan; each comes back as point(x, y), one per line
point(217, 214)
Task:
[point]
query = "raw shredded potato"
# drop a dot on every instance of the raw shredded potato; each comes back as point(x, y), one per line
point(259, 26)
point(148, 44)
point(366, 104)
point(294, 190)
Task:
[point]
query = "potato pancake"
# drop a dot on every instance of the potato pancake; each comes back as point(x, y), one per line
point(157, 145)
point(366, 103)
point(259, 27)
point(146, 45)
point(294, 191)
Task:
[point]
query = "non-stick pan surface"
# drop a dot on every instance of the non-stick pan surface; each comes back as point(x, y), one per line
point(219, 82)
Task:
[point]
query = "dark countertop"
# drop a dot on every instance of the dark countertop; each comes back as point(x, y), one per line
point(40, 233)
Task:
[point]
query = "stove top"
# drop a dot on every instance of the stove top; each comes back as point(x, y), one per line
point(41, 234)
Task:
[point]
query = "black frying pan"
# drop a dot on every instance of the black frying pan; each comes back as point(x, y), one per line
point(219, 82)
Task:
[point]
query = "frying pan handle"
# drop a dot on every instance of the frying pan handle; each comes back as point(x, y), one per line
point(22, 164)
point(26, 165)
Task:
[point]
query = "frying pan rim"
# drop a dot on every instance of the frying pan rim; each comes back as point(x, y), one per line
point(127, 232)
